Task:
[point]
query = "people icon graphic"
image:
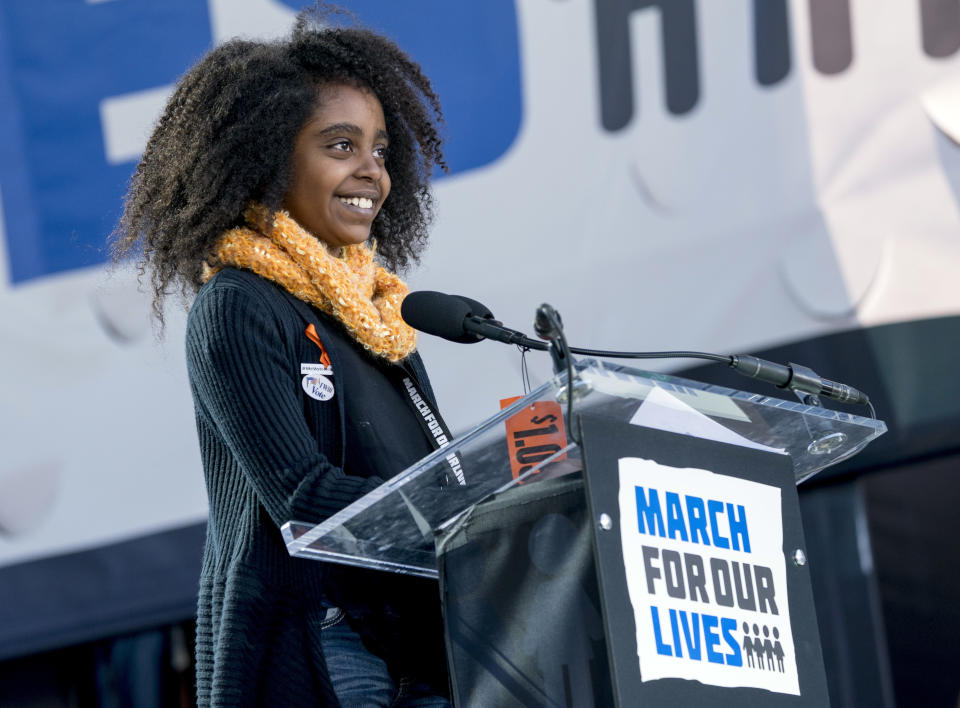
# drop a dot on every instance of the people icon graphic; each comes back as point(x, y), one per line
point(778, 649)
point(747, 644)
point(758, 648)
point(768, 647)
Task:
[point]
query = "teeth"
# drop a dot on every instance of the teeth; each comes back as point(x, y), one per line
point(361, 202)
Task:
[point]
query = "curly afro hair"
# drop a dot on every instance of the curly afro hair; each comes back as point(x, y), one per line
point(227, 135)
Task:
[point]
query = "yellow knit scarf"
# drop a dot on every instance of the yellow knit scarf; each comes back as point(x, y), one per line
point(353, 288)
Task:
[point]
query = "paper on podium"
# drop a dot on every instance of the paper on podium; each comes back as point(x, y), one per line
point(664, 411)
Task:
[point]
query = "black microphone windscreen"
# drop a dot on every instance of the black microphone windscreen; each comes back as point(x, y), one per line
point(477, 309)
point(438, 314)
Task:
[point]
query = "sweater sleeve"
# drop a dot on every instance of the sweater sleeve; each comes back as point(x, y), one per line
point(245, 381)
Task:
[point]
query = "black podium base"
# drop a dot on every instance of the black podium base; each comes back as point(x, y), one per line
point(521, 602)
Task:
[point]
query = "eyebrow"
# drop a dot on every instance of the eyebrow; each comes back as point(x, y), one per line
point(349, 129)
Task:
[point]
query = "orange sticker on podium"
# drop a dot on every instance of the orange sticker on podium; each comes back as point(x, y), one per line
point(533, 434)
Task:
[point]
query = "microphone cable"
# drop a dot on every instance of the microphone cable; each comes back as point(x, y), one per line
point(722, 358)
point(777, 374)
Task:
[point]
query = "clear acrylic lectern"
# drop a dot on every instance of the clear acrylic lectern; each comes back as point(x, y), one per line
point(392, 527)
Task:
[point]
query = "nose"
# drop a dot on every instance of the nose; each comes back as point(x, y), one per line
point(370, 167)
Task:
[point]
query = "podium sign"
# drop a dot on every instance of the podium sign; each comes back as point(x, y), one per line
point(701, 561)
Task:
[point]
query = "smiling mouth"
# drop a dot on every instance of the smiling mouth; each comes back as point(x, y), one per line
point(361, 202)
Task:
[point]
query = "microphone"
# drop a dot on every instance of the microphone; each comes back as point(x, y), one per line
point(548, 325)
point(458, 319)
point(477, 309)
point(461, 319)
point(796, 378)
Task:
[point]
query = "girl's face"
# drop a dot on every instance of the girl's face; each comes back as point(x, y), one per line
point(339, 178)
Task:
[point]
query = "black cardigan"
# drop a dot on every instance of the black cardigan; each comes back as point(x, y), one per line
point(271, 454)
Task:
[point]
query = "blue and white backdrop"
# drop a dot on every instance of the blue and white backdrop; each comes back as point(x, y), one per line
point(725, 176)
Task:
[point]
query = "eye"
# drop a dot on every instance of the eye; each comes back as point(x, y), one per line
point(380, 152)
point(341, 146)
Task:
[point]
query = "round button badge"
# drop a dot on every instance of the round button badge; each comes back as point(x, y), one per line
point(318, 387)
